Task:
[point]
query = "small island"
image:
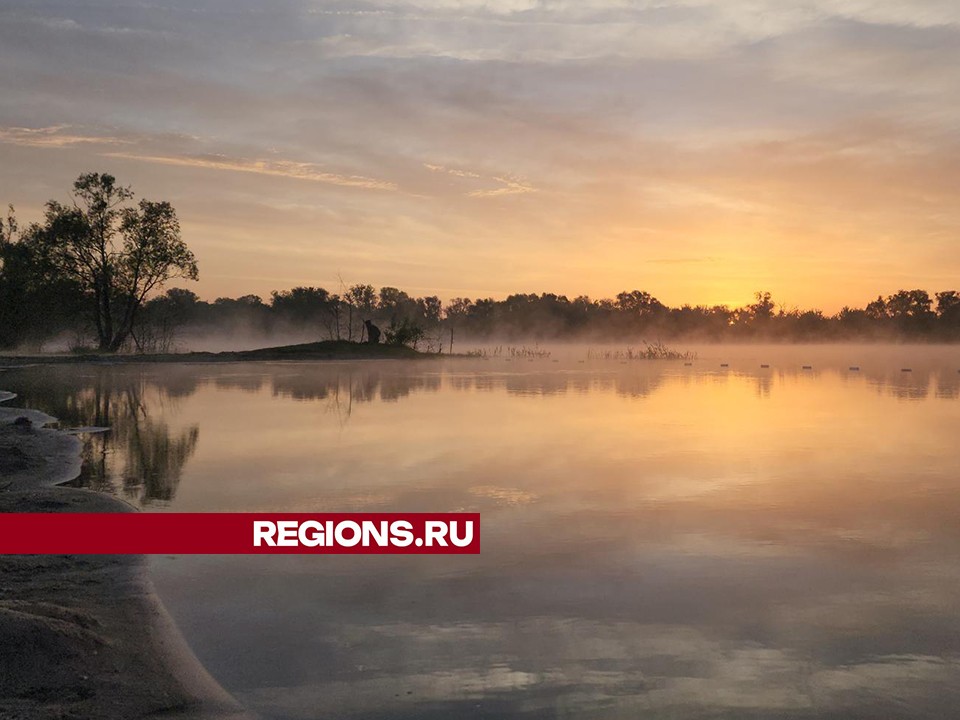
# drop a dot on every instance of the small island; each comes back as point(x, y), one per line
point(322, 350)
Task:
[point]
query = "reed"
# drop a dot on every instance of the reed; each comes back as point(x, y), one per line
point(652, 351)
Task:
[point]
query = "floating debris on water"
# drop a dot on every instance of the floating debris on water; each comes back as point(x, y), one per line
point(86, 429)
point(855, 368)
point(764, 366)
point(808, 367)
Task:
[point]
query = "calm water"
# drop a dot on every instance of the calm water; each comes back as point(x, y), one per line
point(659, 541)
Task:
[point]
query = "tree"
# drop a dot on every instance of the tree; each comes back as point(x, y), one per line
point(393, 303)
point(877, 310)
point(911, 311)
point(910, 303)
point(363, 299)
point(430, 309)
point(458, 309)
point(118, 254)
point(10, 230)
point(35, 303)
point(637, 301)
point(301, 305)
point(163, 315)
point(404, 332)
point(948, 307)
point(762, 309)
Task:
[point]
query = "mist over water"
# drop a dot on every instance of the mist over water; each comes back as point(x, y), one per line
point(659, 539)
point(239, 339)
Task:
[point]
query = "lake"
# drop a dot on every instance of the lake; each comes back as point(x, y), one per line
point(660, 540)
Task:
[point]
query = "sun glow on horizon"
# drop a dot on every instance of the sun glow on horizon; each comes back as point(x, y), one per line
point(689, 150)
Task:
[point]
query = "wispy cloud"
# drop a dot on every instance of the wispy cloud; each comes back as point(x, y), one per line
point(451, 171)
point(509, 186)
point(55, 136)
point(678, 194)
point(63, 136)
point(472, 131)
point(275, 168)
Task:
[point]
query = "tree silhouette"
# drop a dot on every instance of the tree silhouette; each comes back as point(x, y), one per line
point(97, 259)
point(118, 254)
point(36, 302)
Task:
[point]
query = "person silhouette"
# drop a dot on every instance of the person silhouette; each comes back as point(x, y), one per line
point(373, 332)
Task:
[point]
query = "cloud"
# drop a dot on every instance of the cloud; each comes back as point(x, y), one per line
point(275, 168)
point(54, 136)
point(634, 130)
point(510, 186)
point(451, 171)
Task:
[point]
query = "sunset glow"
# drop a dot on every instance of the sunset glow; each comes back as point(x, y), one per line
point(696, 149)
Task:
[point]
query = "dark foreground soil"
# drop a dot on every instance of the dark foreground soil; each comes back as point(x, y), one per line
point(84, 636)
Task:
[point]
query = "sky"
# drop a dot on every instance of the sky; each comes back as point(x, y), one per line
point(696, 149)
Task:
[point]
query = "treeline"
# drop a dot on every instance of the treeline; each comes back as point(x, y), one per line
point(311, 311)
point(91, 274)
point(631, 316)
point(429, 324)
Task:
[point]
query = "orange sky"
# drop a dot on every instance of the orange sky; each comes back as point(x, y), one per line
point(697, 150)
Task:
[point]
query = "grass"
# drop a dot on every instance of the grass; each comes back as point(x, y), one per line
point(652, 351)
point(522, 352)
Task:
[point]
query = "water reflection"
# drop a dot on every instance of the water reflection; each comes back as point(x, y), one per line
point(658, 540)
point(138, 456)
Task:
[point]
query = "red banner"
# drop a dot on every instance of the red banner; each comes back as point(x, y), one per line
point(238, 533)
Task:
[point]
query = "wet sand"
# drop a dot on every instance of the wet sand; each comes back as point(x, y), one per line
point(84, 636)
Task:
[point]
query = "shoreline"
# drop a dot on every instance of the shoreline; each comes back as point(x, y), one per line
point(325, 350)
point(85, 636)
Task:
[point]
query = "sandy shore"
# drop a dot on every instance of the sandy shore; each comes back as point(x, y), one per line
point(84, 636)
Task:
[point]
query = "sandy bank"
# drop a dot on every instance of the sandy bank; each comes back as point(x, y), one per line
point(84, 636)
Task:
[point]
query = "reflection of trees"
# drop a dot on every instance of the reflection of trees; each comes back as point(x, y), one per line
point(915, 385)
point(948, 384)
point(155, 459)
point(351, 384)
point(247, 383)
point(764, 385)
point(627, 383)
point(140, 455)
point(143, 455)
point(345, 386)
point(395, 387)
point(342, 387)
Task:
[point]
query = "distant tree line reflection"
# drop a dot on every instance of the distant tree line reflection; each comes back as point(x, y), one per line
point(142, 454)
